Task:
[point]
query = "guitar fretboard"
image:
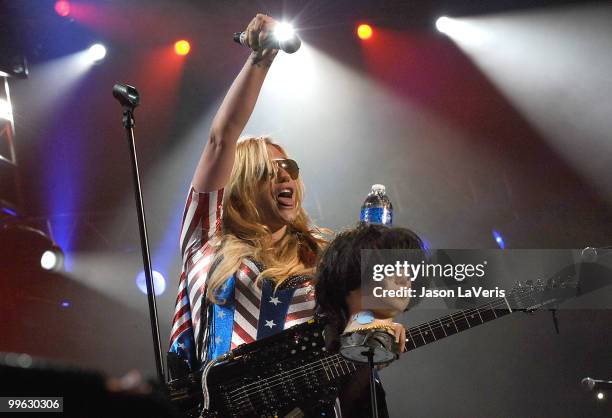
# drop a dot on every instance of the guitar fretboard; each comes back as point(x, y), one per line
point(454, 323)
point(336, 366)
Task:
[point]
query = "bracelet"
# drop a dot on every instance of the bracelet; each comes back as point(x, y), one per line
point(373, 327)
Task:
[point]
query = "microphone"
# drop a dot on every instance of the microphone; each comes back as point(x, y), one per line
point(596, 384)
point(126, 95)
point(289, 43)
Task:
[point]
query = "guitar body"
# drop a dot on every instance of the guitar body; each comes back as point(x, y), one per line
point(277, 375)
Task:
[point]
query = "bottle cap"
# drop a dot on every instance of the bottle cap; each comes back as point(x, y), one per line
point(378, 188)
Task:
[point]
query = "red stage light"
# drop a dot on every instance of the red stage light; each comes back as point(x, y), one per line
point(62, 7)
point(364, 31)
point(182, 47)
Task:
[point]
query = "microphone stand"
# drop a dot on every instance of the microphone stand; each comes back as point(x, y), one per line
point(369, 347)
point(373, 400)
point(128, 124)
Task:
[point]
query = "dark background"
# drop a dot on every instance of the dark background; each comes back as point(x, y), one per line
point(514, 138)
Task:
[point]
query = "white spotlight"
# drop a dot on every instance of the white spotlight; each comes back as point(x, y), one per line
point(159, 282)
point(443, 24)
point(96, 52)
point(52, 260)
point(600, 396)
point(48, 260)
point(462, 30)
point(284, 31)
point(6, 112)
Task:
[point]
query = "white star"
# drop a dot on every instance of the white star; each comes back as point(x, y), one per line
point(181, 345)
point(275, 300)
point(221, 314)
point(217, 340)
point(270, 324)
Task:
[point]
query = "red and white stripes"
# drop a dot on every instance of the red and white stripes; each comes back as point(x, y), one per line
point(201, 221)
point(302, 305)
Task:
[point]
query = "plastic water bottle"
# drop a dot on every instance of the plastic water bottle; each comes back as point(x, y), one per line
point(377, 208)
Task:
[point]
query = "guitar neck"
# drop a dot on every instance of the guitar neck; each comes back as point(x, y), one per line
point(432, 331)
point(454, 323)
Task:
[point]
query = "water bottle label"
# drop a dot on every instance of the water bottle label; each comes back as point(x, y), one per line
point(377, 215)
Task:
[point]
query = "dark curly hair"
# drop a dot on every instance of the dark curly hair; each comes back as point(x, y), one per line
point(339, 267)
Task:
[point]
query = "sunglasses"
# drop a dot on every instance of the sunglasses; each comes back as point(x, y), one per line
point(289, 165)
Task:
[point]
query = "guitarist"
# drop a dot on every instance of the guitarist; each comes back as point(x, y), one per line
point(338, 291)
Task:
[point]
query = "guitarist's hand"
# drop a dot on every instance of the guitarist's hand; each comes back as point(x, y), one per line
point(394, 328)
point(400, 335)
point(399, 332)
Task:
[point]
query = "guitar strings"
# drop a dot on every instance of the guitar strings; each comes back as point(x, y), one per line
point(459, 316)
point(451, 318)
point(517, 298)
point(242, 398)
point(289, 372)
point(334, 360)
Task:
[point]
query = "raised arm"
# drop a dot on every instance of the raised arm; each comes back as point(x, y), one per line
point(215, 165)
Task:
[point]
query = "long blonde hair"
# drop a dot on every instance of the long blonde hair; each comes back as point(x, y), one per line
point(244, 236)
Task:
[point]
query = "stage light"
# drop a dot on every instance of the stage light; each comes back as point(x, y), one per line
point(9, 211)
point(159, 282)
point(96, 52)
point(52, 259)
point(284, 31)
point(65, 304)
point(499, 239)
point(27, 248)
point(444, 24)
point(48, 260)
point(62, 8)
point(6, 111)
point(600, 396)
point(461, 30)
point(182, 47)
point(364, 31)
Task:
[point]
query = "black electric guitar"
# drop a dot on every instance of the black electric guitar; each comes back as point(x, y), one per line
point(292, 371)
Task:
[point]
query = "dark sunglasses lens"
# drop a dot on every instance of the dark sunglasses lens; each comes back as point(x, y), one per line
point(291, 167)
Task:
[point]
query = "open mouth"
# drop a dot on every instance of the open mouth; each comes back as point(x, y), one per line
point(284, 197)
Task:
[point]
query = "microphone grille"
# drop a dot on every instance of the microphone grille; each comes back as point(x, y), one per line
point(291, 45)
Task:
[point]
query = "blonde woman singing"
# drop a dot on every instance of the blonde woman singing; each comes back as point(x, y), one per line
point(247, 246)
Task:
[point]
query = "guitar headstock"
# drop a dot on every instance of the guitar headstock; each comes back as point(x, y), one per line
point(532, 295)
